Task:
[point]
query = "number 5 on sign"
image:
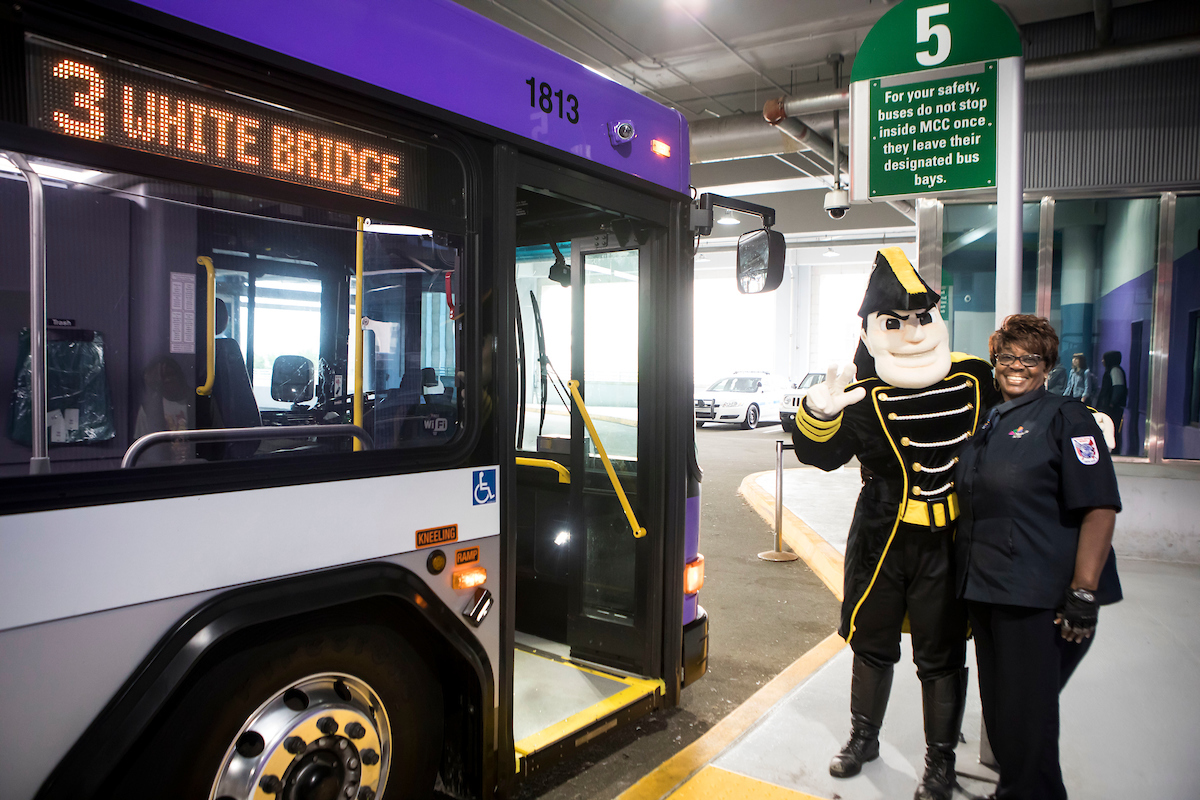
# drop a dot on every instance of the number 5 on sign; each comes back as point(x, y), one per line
point(925, 32)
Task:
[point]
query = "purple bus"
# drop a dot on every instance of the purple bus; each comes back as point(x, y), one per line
point(285, 284)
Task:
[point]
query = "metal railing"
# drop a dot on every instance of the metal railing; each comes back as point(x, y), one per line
point(242, 434)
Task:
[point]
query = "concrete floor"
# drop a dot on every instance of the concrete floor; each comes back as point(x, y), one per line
point(1129, 715)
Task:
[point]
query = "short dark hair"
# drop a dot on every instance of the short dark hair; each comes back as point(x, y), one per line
point(1031, 333)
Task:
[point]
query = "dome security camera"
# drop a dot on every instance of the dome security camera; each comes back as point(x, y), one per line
point(837, 203)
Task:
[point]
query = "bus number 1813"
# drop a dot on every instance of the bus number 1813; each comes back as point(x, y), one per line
point(541, 96)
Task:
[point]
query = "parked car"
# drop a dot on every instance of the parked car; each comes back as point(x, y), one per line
point(743, 398)
point(791, 400)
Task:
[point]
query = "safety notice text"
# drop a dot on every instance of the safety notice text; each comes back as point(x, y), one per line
point(933, 136)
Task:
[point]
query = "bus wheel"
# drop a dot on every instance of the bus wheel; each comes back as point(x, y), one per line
point(340, 713)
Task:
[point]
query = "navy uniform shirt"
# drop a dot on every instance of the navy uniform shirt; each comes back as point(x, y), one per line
point(1034, 468)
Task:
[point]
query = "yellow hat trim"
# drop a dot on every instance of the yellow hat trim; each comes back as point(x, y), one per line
point(903, 270)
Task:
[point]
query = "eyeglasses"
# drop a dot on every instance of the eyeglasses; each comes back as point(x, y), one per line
point(1028, 360)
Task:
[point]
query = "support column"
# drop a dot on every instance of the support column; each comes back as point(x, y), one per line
point(1079, 253)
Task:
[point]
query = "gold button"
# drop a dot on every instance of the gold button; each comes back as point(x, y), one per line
point(970, 405)
point(916, 467)
point(883, 396)
point(892, 415)
point(904, 442)
point(916, 491)
point(956, 459)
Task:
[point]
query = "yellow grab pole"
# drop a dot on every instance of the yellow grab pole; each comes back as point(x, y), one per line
point(638, 530)
point(564, 475)
point(358, 332)
point(206, 389)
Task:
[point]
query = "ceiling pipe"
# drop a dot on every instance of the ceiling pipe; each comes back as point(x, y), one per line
point(1112, 58)
point(1102, 11)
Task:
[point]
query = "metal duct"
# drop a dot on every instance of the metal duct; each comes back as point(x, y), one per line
point(739, 136)
point(1112, 58)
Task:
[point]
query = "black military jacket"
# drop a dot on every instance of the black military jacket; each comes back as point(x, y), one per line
point(908, 441)
point(1024, 484)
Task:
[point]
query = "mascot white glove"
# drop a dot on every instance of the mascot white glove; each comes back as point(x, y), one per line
point(827, 400)
point(1107, 428)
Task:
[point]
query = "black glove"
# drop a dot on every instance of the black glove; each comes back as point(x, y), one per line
point(1077, 613)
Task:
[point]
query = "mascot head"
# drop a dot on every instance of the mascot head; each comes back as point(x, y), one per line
point(903, 331)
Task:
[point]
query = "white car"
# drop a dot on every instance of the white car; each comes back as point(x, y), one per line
point(743, 398)
point(791, 400)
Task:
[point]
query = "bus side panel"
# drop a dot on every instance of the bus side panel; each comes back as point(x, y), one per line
point(154, 549)
point(60, 675)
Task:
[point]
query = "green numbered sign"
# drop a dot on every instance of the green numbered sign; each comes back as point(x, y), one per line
point(925, 99)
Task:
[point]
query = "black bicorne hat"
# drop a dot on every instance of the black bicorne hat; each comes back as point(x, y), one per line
point(894, 284)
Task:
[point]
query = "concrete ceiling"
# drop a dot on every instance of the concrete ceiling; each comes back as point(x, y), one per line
point(723, 59)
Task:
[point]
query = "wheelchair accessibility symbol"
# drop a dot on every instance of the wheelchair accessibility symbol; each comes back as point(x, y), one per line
point(484, 492)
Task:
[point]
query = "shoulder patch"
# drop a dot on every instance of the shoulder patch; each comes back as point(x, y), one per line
point(1086, 450)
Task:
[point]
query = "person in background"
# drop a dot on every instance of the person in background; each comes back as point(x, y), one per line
point(1033, 554)
point(1113, 393)
point(1079, 383)
point(1056, 379)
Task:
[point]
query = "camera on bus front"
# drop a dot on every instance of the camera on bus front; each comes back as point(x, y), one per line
point(621, 132)
point(837, 203)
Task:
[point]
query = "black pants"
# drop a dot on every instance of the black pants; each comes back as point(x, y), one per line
point(917, 578)
point(1023, 665)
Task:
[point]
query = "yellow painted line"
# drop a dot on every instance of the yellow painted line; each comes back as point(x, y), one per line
point(714, 783)
point(821, 557)
point(675, 771)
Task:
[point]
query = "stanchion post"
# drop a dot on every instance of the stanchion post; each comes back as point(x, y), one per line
point(778, 553)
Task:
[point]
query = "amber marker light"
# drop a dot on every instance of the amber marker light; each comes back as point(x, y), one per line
point(469, 578)
point(660, 148)
point(693, 575)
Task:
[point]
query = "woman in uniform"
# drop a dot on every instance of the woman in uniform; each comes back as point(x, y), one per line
point(1033, 553)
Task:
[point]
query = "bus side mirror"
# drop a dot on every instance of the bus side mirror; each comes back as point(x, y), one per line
point(760, 261)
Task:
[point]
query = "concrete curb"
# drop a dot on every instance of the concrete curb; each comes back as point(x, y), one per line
point(821, 557)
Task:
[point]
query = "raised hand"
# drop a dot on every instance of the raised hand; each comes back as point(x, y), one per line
point(826, 400)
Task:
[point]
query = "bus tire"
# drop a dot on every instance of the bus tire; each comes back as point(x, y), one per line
point(353, 709)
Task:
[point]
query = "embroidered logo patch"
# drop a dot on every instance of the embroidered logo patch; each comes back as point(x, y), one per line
point(1019, 432)
point(1086, 450)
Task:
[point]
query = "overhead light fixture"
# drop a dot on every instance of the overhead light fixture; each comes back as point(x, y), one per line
point(830, 253)
point(728, 219)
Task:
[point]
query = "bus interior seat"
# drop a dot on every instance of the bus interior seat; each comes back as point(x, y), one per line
point(232, 393)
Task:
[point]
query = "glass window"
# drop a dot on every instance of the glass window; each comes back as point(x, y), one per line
point(1105, 253)
point(969, 272)
point(1183, 362)
point(544, 325)
point(128, 296)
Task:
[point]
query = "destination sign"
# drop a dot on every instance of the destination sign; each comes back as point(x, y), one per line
point(89, 96)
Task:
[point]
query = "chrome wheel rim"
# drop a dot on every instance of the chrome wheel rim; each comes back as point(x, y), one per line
point(323, 736)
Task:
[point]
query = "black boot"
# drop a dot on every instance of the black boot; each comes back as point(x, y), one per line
point(944, 700)
point(869, 690)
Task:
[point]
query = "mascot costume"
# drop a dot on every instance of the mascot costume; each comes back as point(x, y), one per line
point(912, 407)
